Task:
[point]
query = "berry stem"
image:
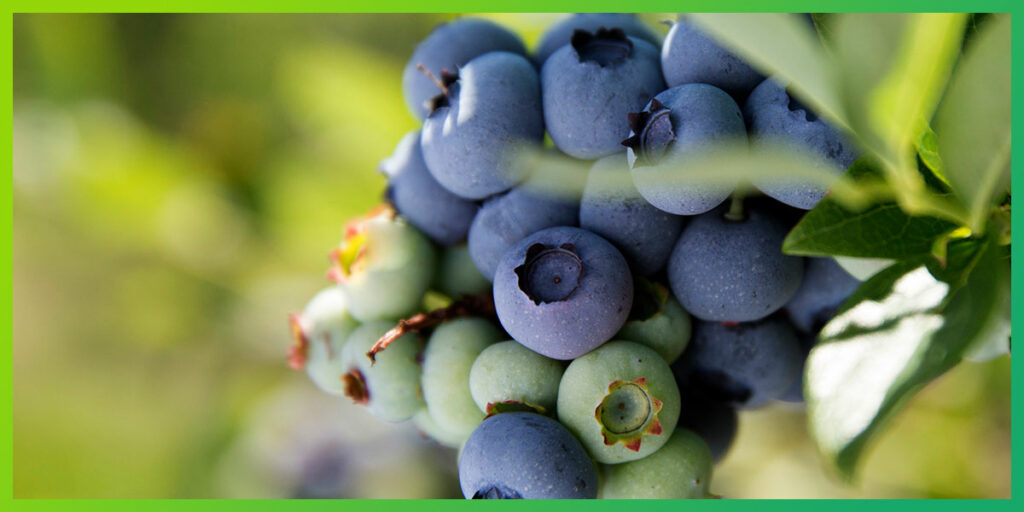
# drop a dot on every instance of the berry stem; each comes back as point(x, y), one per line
point(433, 78)
point(736, 213)
point(473, 305)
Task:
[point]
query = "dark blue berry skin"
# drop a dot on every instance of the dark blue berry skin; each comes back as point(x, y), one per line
point(824, 287)
point(562, 292)
point(525, 455)
point(795, 393)
point(700, 117)
point(746, 365)
point(449, 46)
point(688, 56)
point(591, 85)
point(772, 115)
point(473, 142)
point(506, 219)
point(559, 34)
point(442, 216)
point(612, 207)
point(733, 271)
point(715, 422)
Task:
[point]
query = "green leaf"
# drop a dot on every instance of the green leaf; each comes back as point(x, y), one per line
point(973, 122)
point(880, 231)
point(928, 152)
point(893, 69)
point(782, 45)
point(905, 98)
point(900, 330)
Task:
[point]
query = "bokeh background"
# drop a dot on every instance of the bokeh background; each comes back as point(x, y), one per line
point(178, 183)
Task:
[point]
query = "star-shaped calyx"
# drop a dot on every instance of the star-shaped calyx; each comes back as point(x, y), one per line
point(606, 47)
point(650, 135)
point(627, 413)
point(448, 84)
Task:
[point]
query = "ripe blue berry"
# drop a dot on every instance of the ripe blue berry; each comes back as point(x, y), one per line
point(384, 265)
point(733, 270)
point(447, 361)
point(559, 34)
point(824, 287)
point(562, 292)
point(319, 333)
point(449, 46)
point(620, 400)
point(390, 387)
point(442, 216)
point(506, 219)
point(508, 373)
point(678, 124)
point(795, 393)
point(612, 207)
point(525, 455)
point(690, 56)
point(679, 470)
point(773, 116)
point(746, 364)
point(589, 87)
point(657, 320)
point(488, 115)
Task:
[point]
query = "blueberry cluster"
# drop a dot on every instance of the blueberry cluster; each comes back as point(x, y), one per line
point(589, 344)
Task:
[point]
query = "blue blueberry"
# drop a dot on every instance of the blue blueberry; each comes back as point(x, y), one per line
point(506, 219)
point(612, 207)
point(674, 126)
point(449, 46)
point(489, 114)
point(442, 216)
point(592, 84)
point(746, 365)
point(824, 287)
point(773, 116)
point(733, 270)
point(795, 393)
point(559, 34)
point(526, 456)
point(691, 56)
point(562, 292)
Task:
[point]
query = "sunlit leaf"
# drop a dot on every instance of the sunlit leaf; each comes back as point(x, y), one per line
point(901, 329)
point(905, 99)
point(785, 46)
point(973, 123)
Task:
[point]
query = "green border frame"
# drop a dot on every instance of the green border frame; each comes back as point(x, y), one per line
point(7, 471)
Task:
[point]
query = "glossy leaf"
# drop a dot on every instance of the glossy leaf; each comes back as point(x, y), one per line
point(973, 123)
point(900, 330)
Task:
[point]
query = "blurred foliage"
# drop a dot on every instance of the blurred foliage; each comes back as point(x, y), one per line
point(178, 182)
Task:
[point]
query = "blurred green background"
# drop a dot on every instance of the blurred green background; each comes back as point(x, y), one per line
point(178, 183)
